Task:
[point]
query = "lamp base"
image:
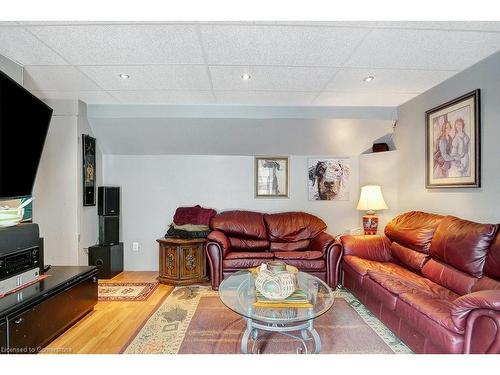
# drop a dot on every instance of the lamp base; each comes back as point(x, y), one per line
point(370, 223)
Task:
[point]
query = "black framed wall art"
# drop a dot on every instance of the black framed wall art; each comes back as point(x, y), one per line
point(453, 143)
point(89, 170)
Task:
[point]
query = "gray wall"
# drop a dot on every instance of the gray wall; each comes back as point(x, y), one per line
point(12, 69)
point(480, 204)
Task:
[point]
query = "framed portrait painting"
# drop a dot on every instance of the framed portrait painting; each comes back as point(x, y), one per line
point(453, 143)
point(328, 179)
point(271, 177)
point(89, 170)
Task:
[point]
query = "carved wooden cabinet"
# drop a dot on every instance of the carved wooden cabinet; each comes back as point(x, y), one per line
point(182, 261)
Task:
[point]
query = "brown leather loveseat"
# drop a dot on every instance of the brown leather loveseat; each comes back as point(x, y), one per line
point(433, 280)
point(243, 239)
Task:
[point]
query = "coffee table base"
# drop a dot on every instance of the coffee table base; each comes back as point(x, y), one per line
point(256, 331)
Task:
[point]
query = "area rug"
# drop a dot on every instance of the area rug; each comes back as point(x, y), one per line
point(193, 320)
point(112, 291)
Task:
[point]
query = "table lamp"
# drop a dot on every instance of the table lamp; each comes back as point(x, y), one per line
point(371, 199)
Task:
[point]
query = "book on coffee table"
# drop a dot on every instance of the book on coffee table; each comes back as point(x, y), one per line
point(296, 299)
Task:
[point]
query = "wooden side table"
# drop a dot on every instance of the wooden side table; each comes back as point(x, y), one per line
point(182, 261)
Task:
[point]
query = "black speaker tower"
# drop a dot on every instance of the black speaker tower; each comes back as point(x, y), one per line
point(108, 209)
point(108, 254)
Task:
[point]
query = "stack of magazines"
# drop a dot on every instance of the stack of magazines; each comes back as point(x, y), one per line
point(297, 299)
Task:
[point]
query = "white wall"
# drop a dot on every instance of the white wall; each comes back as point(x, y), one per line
point(154, 186)
point(12, 69)
point(55, 191)
point(381, 168)
point(87, 215)
point(68, 228)
point(480, 204)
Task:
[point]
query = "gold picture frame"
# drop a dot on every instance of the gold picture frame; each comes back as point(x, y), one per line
point(272, 177)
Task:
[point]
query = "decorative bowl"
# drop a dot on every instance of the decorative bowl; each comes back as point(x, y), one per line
point(275, 285)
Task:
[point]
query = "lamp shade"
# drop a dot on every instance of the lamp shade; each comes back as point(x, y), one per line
point(371, 198)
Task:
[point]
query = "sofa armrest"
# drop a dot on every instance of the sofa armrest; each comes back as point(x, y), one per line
point(221, 240)
point(332, 253)
point(321, 242)
point(371, 247)
point(464, 305)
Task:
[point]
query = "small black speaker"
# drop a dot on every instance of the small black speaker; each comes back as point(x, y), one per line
point(108, 259)
point(109, 230)
point(108, 200)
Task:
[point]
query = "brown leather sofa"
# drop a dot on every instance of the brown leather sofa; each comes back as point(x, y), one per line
point(243, 239)
point(433, 280)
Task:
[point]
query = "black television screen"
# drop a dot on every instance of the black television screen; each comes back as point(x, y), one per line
point(24, 122)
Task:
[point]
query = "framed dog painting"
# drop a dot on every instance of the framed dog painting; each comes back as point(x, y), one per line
point(328, 179)
point(453, 143)
point(271, 177)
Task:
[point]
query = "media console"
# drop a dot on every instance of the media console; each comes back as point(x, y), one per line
point(35, 315)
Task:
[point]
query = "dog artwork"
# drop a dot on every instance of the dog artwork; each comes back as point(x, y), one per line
point(329, 179)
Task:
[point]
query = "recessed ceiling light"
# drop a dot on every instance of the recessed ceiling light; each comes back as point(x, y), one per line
point(245, 77)
point(369, 78)
point(124, 76)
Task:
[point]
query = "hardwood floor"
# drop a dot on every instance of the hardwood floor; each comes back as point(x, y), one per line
point(112, 324)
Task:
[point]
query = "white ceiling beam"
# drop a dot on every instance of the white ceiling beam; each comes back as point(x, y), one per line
point(251, 112)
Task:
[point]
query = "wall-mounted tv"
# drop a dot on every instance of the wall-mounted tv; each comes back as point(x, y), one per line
point(24, 122)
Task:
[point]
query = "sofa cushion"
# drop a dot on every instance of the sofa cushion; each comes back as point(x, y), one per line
point(298, 255)
point(249, 255)
point(246, 244)
point(448, 277)
point(290, 246)
point(463, 244)
point(242, 263)
point(413, 229)
point(308, 264)
point(241, 224)
point(411, 283)
point(384, 296)
point(411, 258)
point(293, 226)
point(492, 264)
point(439, 310)
point(486, 283)
point(363, 266)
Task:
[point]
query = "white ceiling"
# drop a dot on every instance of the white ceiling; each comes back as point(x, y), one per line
point(290, 63)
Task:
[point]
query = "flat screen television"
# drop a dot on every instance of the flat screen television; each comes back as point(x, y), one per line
point(24, 122)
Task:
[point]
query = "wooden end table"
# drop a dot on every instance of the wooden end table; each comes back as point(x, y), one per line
point(182, 261)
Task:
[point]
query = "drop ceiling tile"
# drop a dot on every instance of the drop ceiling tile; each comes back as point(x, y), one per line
point(275, 78)
point(19, 45)
point(387, 80)
point(165, 97)
point(150, 77)
point(360, 99)
point(423, 49)
point(279, 45)
point(89, 97)
point(123, 44)
point(57, 78)
point(264, 98)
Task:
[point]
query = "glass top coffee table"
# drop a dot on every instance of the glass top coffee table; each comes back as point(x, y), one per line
point(238, 293)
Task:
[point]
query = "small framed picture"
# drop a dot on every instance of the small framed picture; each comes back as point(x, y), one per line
point(328, 179)
point(89, 170)
point(453, 156)
point(271, 177)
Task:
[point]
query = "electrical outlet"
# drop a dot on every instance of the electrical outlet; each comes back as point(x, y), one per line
point(135, 246)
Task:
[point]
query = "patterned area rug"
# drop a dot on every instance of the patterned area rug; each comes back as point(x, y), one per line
point(193, 320)
point(112, 291)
